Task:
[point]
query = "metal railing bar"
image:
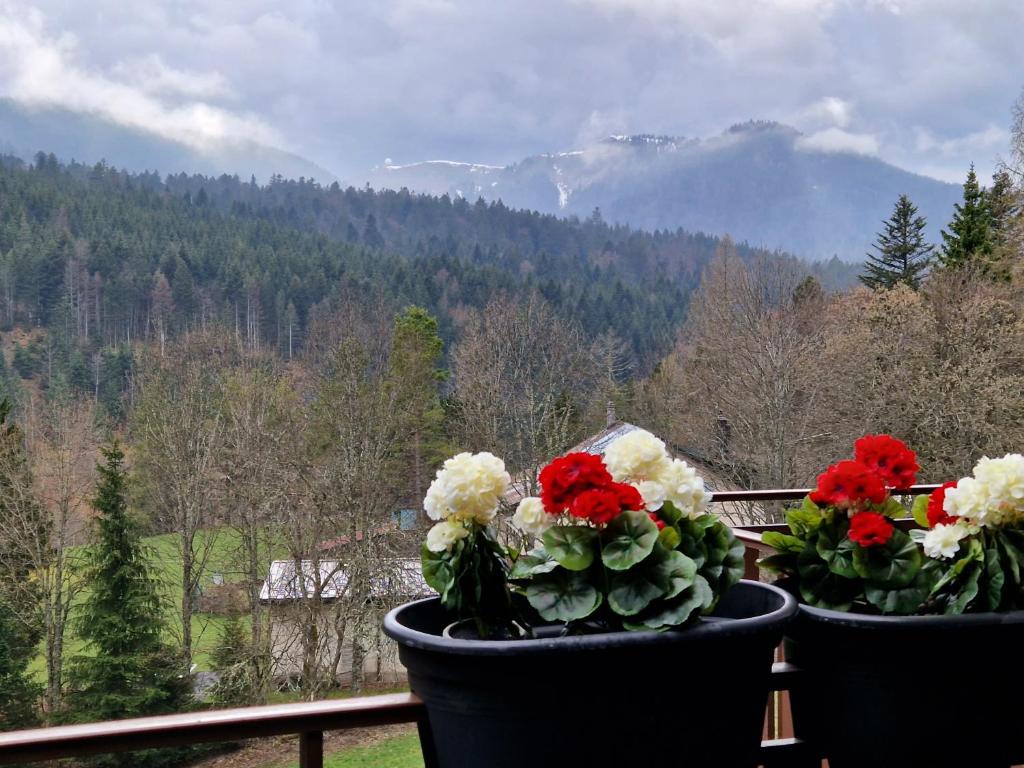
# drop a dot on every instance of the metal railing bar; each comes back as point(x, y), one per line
point(209, 726)
point(795, 494)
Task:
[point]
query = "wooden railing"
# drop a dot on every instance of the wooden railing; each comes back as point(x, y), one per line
point(311, 720)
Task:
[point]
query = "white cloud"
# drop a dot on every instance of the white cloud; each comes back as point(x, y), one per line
point(41, 69)
point(349, 82)
point(829, 111)
point(152, 76)
point(838, 140)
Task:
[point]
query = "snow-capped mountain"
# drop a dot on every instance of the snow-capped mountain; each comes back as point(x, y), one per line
point(760, 182)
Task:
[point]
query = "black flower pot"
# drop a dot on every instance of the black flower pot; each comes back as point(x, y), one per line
point(900, 691)
point(694, 697)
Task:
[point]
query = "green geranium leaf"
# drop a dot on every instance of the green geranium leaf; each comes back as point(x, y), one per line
point(438, 570)
point(671, 613)
point(804, 520)
point(892, 508)
point(781, 563)
point(664, 574)
point(890, 566)
point(909, 599)
point(1012, 557)
point(532, 563)
point(669, 537)
point(919, 510)
point(783, 542)
point(968, 592)
point(820, 587)
point(573, 546)
point(836, 549)
point(974, 554)
point(629, 538)
point(692, 542)
point(563, 595)
point(991, 595)
point(676, 572)
point(733, 565)
point(632, 591)
point(670, 513)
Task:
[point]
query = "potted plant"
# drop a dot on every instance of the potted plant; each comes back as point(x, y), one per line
point(903, 633)
point(623, 636)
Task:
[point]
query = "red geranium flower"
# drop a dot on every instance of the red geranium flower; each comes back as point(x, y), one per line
point(870, 528)
point(936, 514)
point(889, 457)
point(568, 476)
point(848, 484)
point(629, 497)
point(656, 520)
point(602, 505)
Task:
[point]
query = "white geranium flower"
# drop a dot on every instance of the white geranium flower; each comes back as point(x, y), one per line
point(943, 540)
point(531, 518)
point(468, 487)
point(435, 503)
point(443, 535)
point(684, 488)
point(653, 493)
point(1003, 480)
point(636, 456)
point(969, 500)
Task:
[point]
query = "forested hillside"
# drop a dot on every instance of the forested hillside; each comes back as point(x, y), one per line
point(100, 258)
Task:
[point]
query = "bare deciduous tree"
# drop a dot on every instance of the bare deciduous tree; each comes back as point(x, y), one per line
point(521, 375)
point(178, 424)
point(256, 466)
point(747, 371)
point(63, 443)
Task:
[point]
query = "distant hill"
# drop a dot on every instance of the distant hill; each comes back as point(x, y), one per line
point(90, 138)
point(761, 182)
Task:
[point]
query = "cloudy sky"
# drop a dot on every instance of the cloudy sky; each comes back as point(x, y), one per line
point(926, 84)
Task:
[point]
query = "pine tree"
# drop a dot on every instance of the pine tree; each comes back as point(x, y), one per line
point(903, 255)
point(231, 658)
point(20, 618)
point(416, 350)
point(18, 691)
point(1007, 212)
point(126, 670)
point(969, 239)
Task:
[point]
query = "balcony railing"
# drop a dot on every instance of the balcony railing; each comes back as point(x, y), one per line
point(779, 749)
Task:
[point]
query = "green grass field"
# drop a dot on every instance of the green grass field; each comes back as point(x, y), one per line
point(398, 752)
point(166, 562)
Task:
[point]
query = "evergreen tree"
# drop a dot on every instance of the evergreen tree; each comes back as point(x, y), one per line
point(20, 617)
point(231, 658)
point(1007, 212)
point(18, 691)
point(969, 239)
point(903, 255)
point(127, 670)
point(416, 351)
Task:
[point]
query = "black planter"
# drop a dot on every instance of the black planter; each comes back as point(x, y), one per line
point(899, 691)
point(695, 697)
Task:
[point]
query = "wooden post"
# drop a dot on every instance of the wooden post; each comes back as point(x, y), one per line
point(426, 741)
point(311, 749)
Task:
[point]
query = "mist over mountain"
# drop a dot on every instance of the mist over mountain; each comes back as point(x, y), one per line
point(761, 182)
point(87, 138)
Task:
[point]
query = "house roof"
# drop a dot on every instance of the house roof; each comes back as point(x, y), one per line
point(397, 577)
point(733, 512)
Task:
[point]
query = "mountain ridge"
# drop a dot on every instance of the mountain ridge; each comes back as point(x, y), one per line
point(90, 138)
point(759, 181)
